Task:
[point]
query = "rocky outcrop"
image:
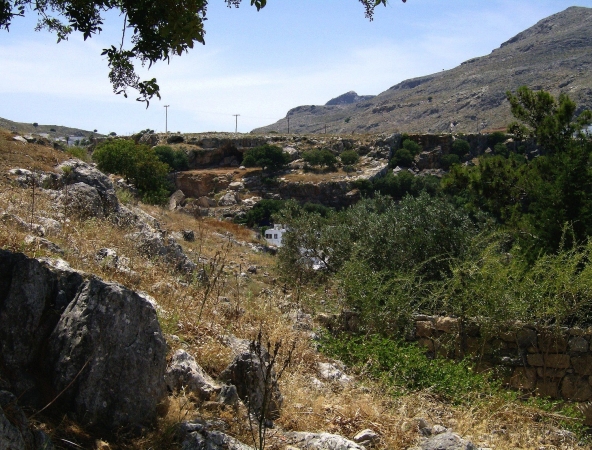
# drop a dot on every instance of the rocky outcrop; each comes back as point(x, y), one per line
point(97, 344)
point(200, 436)
point(153, 244)
point(321, 441)
point(256, 385)
point(184, 372)
point(446, 441)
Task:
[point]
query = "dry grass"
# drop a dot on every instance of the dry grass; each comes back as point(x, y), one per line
point(200, 318)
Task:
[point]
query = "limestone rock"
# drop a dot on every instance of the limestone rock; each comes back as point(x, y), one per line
point(152, 244)
point(197, 436)
point(176, 199)
point(83, 201)
point(33, 295)
point(247, 373)
point(43, 243)
point(229, 199)
point(367, 438)
point(184, 371)
point(51, 226)
point(321, 441)
point(446, 441)
point(330, 372)
point(108, 348)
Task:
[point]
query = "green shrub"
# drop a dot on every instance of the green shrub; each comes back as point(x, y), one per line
point(349, 157)
point(501, 150)
point(403, 157)
point(496, 138)
point(78, 152)
point(176, 159)
point(138, 164)
point(269, 157)
point(448, 161)
point(413, 147)
point(460, 147)
point(261, 214)
point(404, 367)
point(320, 158)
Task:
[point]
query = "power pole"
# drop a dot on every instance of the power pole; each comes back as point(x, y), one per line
point(236, 122)
point(288, 125)
point(166, 119)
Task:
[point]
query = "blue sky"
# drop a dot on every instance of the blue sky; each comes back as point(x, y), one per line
point(256, 64)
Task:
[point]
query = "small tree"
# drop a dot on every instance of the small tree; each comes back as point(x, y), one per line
point(349, 157)
point(413, 147)
point(35, 124)
point(403, 157)
point(176, 159)
point(321, 158)
point(460, 147)
point(269, 157)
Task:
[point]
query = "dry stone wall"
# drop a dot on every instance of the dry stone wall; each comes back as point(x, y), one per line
point(552, 362)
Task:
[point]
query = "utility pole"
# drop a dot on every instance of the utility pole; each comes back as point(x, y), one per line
point(166, 119)
point(236, 122)
point(288, 125)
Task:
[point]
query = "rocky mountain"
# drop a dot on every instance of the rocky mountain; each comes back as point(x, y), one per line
point(554, 55)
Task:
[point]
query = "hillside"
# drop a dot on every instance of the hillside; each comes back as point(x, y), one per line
point(554, 55)
point(28, 128)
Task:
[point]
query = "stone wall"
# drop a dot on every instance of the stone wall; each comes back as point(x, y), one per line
point(555, 363)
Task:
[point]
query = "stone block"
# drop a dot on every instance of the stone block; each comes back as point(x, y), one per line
point(582, 364)
point(545, 372)
point(549, 342)
point(576, 388)
point(523, 378)
point(526, 337)
point(557, 361)
point(547, 388)
point(424, 328)
point(578, 344)
point(535, 359)
point(448, 325)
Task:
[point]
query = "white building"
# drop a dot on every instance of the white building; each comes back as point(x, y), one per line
point(274, 235)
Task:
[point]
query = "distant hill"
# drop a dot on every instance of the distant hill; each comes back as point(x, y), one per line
point(59, 130)
point(554, 55)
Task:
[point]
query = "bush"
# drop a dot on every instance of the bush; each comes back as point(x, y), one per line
point(404, 367)
point(269, 157)
point(501, 150)
point(496, 138)
point(261, 214)
point(176, 159)
point(349, 157)
point(321, 158)
point(78, 152)
point(138, 164)
point(448, 161)
point(413, 147)
point(460, 147)
point(403, 157)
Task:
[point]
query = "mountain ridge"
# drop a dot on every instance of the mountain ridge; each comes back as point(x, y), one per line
point(555, 54)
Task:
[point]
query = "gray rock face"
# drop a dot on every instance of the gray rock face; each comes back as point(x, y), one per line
point(153, 244)
point(176, 199)
point(15, 433)
point(81, 174)
point(248, 373)
point(83, 200)
point(197, 436)
point(33, 295)
point(185, 372)
point(229, 199)
point(321, 441)
point(367, 438)
point(56, 329)
point(447, 441)
point(108, 343)
point(43, 243)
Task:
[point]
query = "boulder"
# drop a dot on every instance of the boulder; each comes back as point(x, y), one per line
point(175, 139)
point(176, 199)
point(83, 201)
point(198, 436)
point(43, 243)
point(248, 372)
point(33, 295)
point(184, 372)
point(446, 441)
point(149, 139)
point(107, 349)
point(229, 199)
point(152, 244)
point(367, 438)
point(321, 441)
point(330, 372)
